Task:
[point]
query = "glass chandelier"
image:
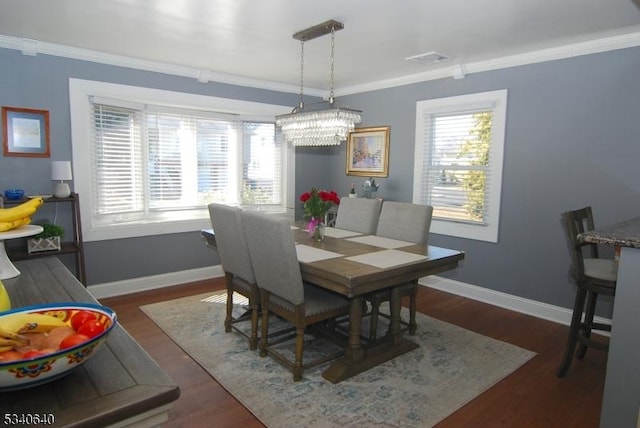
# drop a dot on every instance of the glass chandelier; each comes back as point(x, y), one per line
point(318, 126)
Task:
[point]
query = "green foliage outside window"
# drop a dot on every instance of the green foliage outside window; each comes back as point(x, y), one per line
point(254, 195)
point(477, 146)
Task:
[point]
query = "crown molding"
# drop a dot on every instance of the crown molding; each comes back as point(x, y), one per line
point(33, 47)
point(562, 52)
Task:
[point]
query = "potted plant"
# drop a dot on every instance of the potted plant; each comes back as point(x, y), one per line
point(47, 240)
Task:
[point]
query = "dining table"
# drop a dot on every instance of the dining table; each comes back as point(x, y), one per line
point(357, 265)
point(621, 397)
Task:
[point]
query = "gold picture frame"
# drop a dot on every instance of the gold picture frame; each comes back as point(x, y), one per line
point(368, 152)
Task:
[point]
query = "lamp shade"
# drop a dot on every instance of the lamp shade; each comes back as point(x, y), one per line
point(61, 170)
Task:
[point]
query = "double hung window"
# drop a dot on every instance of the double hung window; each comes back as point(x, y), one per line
point(458, 163)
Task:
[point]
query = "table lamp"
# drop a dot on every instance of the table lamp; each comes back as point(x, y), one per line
point(61, 171)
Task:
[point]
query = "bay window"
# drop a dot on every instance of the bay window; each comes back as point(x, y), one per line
point(150, 162)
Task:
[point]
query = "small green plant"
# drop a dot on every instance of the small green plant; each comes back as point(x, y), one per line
point(50, 231)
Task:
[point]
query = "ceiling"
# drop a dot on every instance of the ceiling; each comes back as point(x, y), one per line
point(252, 39)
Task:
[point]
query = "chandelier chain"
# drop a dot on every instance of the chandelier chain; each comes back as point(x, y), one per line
point(301, 105)
point(333, 36)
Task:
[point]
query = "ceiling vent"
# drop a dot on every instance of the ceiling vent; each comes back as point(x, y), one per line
point(427, 58)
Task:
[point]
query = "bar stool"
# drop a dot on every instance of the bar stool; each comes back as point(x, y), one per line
point(593, 276)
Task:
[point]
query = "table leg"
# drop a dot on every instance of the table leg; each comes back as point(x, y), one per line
point(7, 269)
point(356, 359)
point(395, 332)
point(354, 351)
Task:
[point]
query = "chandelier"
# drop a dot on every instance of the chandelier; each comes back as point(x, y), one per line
point(318, 126)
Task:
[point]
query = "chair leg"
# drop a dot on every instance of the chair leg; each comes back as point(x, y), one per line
point(264, 334)
point(297, 366)
point(255, 314)
point(574, 329)
point(228, 319)
point(590, 310)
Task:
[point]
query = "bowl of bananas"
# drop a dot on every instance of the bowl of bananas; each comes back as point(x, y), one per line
point(41, 343)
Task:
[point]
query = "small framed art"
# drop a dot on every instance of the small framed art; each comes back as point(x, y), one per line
point(25, 132)
point(368, 152)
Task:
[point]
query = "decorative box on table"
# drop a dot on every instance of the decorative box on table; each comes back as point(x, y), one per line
point(37, 245)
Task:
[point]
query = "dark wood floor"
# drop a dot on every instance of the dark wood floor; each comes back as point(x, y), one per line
point(531, 397)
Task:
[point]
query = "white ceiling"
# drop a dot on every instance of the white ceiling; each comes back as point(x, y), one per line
point(252, 39)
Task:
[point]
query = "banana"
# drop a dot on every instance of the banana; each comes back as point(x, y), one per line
point(25, 209)
point(12, 325)
point(14, 224)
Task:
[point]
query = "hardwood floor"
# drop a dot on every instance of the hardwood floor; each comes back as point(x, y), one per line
point(531, 397)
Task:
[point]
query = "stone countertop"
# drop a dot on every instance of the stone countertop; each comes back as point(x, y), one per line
point(624, 234)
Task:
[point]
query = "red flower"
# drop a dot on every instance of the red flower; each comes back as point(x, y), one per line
point(316, 203)
point(330, 196)
point(305, 196)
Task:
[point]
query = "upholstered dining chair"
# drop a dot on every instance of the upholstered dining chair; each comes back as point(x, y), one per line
point(358, 214)
point(593, 276)
point(282, 291)
point(236, 263)
point(406, 222)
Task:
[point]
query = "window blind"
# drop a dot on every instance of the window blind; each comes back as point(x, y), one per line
point(458, 164)
point(117, 160)
point(155, 160)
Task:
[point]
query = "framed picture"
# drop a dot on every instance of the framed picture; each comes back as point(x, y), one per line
point(368, 152)
point(25, 132)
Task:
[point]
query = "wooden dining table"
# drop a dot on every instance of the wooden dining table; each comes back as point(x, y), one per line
point(356, 265)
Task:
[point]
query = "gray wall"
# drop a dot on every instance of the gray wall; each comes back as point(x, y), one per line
point(42, 82)
point(571, 140)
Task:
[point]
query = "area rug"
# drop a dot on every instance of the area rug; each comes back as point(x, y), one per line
point(418, 389)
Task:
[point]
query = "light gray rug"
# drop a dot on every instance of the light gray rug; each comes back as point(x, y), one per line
point(418, 389)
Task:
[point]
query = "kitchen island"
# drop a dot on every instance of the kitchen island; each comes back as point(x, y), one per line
point(621, 400)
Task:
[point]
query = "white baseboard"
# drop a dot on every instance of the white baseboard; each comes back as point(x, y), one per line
point(134, 285)
point(507, 301)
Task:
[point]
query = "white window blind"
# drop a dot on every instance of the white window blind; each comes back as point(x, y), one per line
point(458, 170)
point(117, 160)
point(149, 163)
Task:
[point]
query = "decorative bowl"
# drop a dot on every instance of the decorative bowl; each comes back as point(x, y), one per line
point(26, 373)
point(14, 194)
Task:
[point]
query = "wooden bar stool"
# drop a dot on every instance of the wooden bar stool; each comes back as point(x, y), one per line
point(593, 276)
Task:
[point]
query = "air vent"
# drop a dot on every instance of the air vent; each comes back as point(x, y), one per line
point(427, 58)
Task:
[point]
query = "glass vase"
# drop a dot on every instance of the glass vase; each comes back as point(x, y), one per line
point(316, 229)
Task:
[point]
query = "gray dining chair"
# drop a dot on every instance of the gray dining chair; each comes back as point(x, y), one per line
point(238, 270)
point(282, 291)
point(406, 222)
point(358, 214)
point(593, 276)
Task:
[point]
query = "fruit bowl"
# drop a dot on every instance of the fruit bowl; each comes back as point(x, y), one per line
point(54, 364)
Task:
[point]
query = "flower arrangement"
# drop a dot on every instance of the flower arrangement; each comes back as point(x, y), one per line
point(316, 203)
